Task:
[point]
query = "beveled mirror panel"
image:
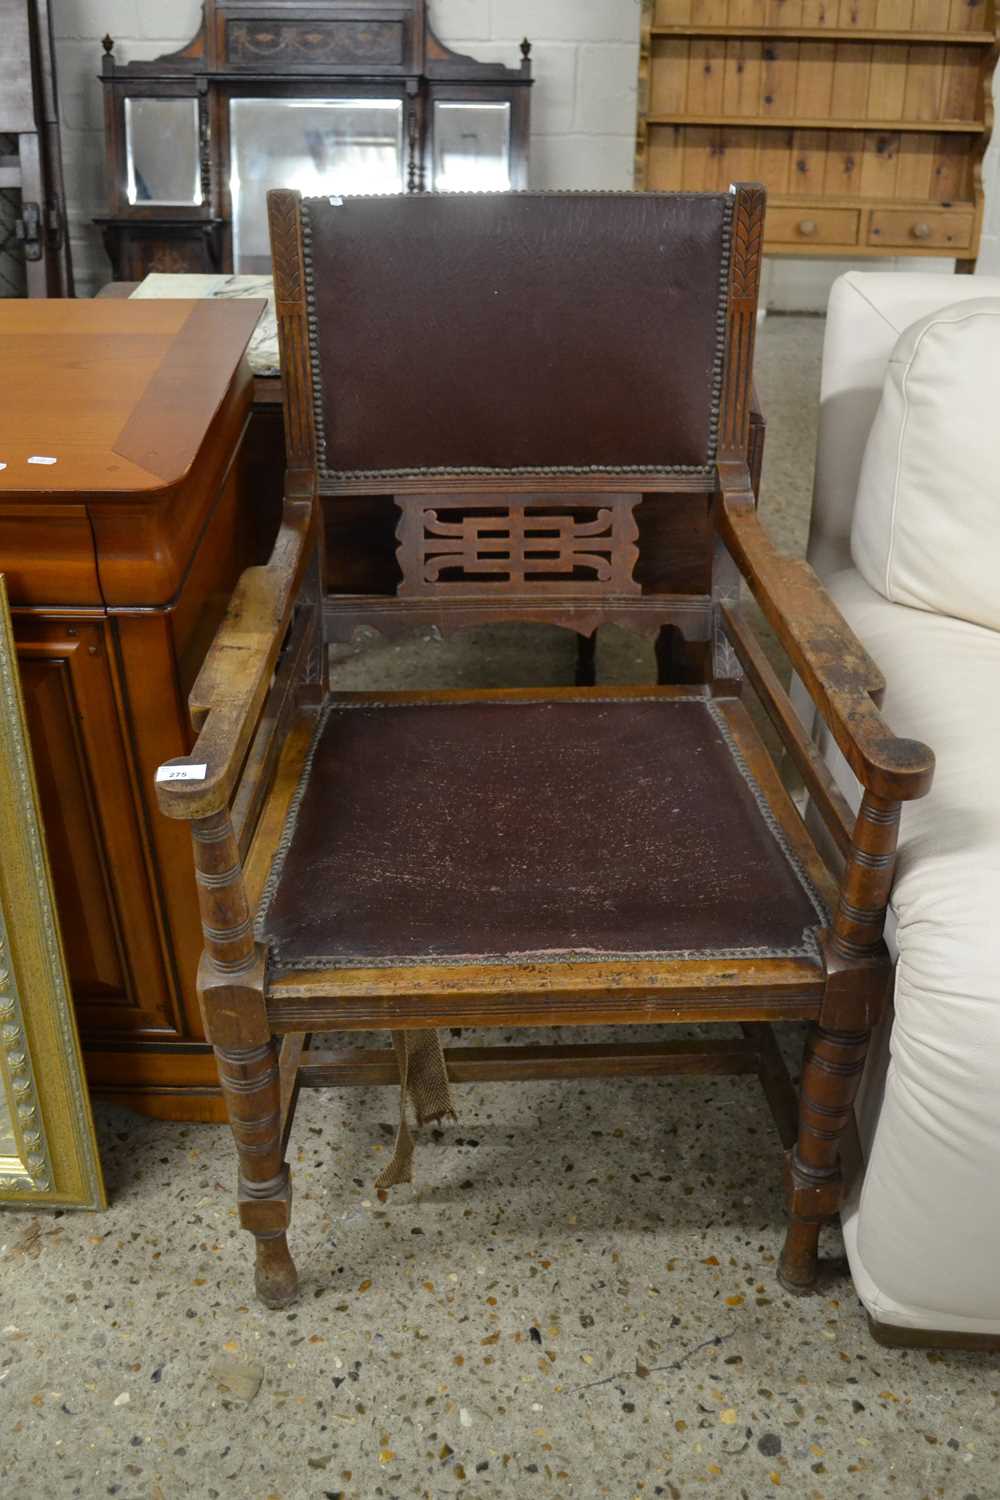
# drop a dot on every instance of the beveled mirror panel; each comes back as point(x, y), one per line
point(161, 152)
point(471, 146)
point(48, 1155)
point(317, 146)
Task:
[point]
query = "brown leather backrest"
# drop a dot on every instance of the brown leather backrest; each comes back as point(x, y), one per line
point(507, 334)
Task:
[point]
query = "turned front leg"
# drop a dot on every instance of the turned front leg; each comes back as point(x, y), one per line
point(231, 989)
point(858, 974)
point(251, 1087)
point(834, 1063)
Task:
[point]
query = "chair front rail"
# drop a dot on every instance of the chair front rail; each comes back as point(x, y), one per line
point(582, 994)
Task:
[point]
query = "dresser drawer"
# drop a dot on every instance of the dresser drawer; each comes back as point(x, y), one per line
point(916, 227)
point(812, 226)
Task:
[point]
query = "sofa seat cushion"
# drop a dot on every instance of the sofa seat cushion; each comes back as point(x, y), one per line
point(929, 1202)
point(926, 528)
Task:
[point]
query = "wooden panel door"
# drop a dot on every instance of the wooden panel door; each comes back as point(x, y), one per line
point(105, 891)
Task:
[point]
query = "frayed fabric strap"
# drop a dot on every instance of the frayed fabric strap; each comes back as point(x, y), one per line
point(423, 1076)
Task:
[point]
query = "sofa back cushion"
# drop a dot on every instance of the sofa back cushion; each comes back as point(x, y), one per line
point(926, 528)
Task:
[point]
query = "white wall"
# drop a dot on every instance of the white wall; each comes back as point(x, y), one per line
point(585, 58)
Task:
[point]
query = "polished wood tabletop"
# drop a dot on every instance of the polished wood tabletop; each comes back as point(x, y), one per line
point(120, 393)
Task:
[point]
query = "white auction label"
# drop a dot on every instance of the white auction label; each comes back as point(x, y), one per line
point(182, 773)
point(37, 458)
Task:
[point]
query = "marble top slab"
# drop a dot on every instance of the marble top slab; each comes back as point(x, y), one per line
point(262, 351)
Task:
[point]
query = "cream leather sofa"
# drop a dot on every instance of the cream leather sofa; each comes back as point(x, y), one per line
point(919, 581)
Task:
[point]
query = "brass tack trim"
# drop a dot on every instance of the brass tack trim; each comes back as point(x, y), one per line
point(706, 470)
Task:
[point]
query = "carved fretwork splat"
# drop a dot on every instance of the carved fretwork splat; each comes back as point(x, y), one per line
point(462, 545)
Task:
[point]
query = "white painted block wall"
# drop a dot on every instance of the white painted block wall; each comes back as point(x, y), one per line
point(585, 59)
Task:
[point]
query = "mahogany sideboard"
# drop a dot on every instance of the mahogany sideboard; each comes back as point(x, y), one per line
point(120, 557)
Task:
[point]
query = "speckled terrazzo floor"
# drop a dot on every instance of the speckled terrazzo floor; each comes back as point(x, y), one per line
point(576, 1299)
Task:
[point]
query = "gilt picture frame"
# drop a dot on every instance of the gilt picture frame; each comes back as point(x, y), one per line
point(48, 1149)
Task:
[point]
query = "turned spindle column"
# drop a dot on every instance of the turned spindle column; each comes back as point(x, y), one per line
point(231, 990)
point(837, 1047)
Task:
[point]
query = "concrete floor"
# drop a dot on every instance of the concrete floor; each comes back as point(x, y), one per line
point(576, 1298)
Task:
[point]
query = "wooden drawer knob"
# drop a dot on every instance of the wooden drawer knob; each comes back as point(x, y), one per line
point(921, 231)
point(808, 227)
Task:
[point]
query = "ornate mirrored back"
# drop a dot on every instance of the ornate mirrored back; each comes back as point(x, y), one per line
point(264, 98)
point(162, 160)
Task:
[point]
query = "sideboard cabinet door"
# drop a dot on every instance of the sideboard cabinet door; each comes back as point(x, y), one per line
point(98, 847)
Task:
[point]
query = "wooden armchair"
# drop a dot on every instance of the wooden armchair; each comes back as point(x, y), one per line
point(518, 374)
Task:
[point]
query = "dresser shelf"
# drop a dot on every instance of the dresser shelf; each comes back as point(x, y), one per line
point(770, 122)
point(828, 34)
point(869, 135)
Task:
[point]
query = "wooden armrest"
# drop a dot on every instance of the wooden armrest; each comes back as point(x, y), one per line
point(230, 689)
point(826, 795)
point(838, 673)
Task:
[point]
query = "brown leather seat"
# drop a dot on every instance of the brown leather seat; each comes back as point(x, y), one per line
point(544, 830)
